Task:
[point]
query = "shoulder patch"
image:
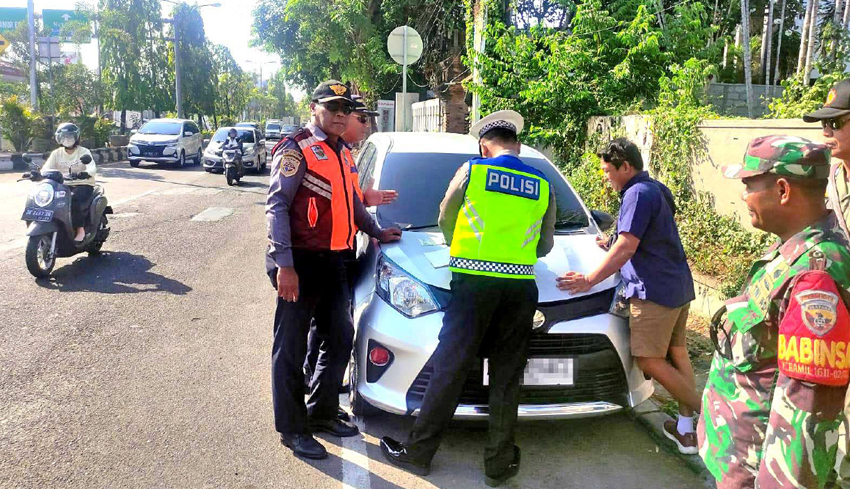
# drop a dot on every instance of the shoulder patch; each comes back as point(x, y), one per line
point(290, 160)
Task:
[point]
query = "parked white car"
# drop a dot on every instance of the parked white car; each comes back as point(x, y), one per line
point(166, 141)
point(403, 289)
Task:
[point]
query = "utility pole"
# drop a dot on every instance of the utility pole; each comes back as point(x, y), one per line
point(33, 78)
point(178, 70)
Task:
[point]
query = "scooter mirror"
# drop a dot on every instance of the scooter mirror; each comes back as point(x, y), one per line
point(86, 159)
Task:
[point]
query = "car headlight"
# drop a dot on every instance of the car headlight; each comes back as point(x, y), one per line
point(132, 148)
point(173, 142)
point(404, 293)
point(42, 195)
point(539, 320)
point(620, 304)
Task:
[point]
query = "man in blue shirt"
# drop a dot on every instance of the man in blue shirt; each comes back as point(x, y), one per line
point(649, 255)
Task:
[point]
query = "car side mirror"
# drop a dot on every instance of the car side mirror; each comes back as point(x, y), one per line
point(206, 142)
point(602, 219)
point(187, 133)
point(86, 159)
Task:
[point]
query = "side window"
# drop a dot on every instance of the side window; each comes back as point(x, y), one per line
point(193, 128)
point(366, 165)
point(186, 128)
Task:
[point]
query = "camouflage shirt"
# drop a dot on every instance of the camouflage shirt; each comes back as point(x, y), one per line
point(760, 428)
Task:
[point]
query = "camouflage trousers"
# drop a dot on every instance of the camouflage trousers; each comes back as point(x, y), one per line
point(762, 429)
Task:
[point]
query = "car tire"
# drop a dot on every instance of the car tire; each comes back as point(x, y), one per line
point(200, 157)
point(359, 406)
point(181, 161)
point(134, 164)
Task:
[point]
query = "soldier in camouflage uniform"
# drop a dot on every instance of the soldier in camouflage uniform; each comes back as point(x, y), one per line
point(773, 401)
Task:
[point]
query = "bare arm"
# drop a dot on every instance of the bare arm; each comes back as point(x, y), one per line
point(450, 206)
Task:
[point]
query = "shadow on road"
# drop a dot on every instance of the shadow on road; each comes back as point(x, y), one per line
point(128, 174)
point(112, 273)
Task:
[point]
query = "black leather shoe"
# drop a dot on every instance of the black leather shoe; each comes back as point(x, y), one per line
point(497, 479)
point(304, 446)
point(343, 415)
point(396, 454)
point(336, 427)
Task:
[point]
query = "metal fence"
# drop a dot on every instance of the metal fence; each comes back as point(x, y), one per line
point(428, 116)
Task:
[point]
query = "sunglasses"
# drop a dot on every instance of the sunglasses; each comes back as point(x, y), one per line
point(834, 124)
point(362, 119)
point(337, 107)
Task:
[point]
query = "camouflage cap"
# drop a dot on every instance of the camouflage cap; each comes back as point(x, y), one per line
point(787, 156)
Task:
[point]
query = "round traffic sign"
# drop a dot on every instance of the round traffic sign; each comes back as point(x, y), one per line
point(396, 44)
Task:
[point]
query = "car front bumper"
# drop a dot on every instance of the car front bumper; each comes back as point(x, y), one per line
point(606, 379)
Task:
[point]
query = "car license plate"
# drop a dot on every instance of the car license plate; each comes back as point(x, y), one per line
point(43, 215)
point(148, 153)
point(543, 371)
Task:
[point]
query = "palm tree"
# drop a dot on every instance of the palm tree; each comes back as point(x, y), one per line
point(779, 47)
point(801, 57)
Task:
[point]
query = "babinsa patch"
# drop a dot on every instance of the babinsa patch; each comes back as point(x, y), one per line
point(319, 152)
point(290, 160)
point(819, 310)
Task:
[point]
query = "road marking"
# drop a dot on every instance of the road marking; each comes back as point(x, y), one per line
point(133, 198)
point(213, 214)
point(355, 459)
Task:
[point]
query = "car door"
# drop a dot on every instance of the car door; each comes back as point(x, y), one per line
point(197, 138)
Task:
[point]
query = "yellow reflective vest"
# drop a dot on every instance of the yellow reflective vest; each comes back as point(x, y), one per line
point(499, 223)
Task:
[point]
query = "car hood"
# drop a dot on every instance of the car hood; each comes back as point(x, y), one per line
point(153, 138)
point(424, 255)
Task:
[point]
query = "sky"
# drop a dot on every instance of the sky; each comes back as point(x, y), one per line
point(229, 25)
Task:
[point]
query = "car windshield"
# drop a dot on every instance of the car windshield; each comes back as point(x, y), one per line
point(418, 204)
point(244, 135)
point(290, 128)
point(168, 128)
point(272, 127)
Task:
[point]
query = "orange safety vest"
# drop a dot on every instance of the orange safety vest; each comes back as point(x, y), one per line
point(322, 211)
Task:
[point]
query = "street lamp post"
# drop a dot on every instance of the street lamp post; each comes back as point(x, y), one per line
point(178, 70)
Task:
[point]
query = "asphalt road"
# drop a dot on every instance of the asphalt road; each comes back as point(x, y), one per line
point(148, 366)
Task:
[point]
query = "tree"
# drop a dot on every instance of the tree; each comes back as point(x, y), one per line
point(196, 61)
point(748, 67)
point(124, 28)
point(76, 90)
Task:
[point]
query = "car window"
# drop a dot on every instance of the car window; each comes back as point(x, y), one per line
point(366, 165)
point(193, 128)
point(418, 203)
point(244, 135)
point(272, 127)
point(166, 128)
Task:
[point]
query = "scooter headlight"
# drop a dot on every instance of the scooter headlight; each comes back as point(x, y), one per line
point(404, 293)
point(42, 195)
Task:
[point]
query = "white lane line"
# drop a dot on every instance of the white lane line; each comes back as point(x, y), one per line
point(355, 459)
point(132, 198)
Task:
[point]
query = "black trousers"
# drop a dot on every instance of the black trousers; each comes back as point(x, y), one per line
point(494, 316)
point(80, 201)
point(314, 345)
point(322, 286)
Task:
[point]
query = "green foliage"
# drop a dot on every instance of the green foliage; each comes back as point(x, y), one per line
point(92, 128)
point(17, 123)
point(76, 90)
point(196, 61)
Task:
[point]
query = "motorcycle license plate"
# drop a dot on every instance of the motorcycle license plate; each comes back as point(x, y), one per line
point(542, 371)
point(43, 215)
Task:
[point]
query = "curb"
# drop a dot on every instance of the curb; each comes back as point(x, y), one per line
point(650, 415)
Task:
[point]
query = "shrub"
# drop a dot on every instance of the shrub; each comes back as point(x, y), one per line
point(17, 123)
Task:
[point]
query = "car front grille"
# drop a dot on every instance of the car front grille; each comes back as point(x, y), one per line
point(150, 150)
point(597, 373)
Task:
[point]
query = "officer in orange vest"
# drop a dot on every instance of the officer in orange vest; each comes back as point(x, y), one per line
point(313, 213)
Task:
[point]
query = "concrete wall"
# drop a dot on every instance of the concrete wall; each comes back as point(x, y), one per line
point(730, 99)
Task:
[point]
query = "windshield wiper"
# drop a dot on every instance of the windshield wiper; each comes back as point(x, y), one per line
point(570, 223)
point(411, 227)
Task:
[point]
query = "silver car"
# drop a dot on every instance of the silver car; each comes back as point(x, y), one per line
point(579, 362)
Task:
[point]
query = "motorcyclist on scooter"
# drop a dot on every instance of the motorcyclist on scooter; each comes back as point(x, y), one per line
point(66, 159)
point(233, 142)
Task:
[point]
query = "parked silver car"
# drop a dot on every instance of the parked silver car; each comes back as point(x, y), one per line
point(403, 289)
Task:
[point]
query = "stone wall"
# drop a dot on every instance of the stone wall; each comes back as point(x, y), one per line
point(730, 99)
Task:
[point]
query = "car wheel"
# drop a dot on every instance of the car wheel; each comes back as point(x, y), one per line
point(134, 164)
point(359, 406)
point(181, 162)
point(200, 157)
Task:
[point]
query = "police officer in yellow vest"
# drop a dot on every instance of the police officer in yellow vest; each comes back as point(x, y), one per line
point(498, 215)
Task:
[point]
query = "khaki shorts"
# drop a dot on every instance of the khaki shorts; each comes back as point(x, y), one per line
point(655, 328)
